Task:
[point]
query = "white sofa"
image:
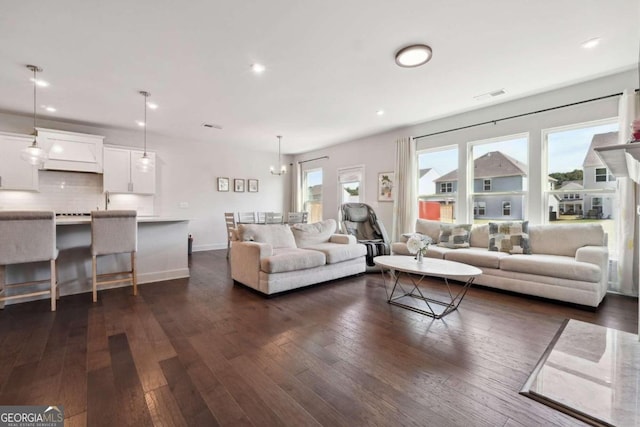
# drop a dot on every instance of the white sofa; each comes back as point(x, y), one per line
point(568, 262)
point(273, 258)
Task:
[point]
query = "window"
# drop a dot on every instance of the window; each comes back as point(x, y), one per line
point(351, 184)
point(446, 187)
point(601, 174)
point(437, 183)
point(499, 176)
point(312, 194)
point(581, 178)
point(506, 208)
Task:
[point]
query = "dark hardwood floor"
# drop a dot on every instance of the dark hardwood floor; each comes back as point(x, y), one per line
point(204, 352)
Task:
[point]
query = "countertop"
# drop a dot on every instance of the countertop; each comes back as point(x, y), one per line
point(75, 220)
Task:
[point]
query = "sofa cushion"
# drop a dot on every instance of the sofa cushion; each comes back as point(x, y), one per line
point(428, 228)
point(552, 265)
point(399, 248)
point(564, 239)
point(336, 252)
point(509, 237)
point(287, 259)
point(313, 234)
point(454, 236)
point(479, 236)
point(277, 235)
point(478, 257)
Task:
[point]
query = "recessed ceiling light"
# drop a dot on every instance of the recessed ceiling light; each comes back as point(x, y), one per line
point(380, 112)
point(413, 56)
point(140, 123)
point(50, 109)
point(152, 105)
point(591, 43)
point(258, 68)
point(40, 82)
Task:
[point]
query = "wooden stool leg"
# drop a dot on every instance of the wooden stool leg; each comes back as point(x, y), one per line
point(53, 285)
point(94, 277)
point(134, 278)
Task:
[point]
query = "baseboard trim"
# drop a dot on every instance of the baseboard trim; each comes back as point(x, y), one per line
point(209, 247)
point(159, 276)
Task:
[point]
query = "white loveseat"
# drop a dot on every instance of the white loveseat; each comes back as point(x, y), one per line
point(568, 262)
point(273, 258)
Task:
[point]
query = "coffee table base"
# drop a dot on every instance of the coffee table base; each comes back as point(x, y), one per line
point(449, 307)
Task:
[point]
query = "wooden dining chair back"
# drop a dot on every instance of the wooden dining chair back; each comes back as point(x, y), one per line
point(230, 221)
point(246, 217)
point(25, 237)
point(274, 218)
point(114, 232)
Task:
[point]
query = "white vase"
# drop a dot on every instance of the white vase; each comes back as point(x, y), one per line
point(419, 257)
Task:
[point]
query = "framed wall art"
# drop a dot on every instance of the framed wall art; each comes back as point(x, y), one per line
point(252, 185)
point(223, 184)
point(385, 186)
point(238, 185)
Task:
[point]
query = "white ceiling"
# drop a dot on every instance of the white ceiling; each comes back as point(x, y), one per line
point(330, 63)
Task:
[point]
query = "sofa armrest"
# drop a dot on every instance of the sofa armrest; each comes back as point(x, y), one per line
point(598, 255)
point(345, 239)
point(245, 261)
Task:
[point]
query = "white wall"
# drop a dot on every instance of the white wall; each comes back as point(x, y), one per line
point(377, 152)
point(187, 172)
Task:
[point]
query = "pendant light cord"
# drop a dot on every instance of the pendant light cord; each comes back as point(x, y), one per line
point(35, 83)
point(146, 94)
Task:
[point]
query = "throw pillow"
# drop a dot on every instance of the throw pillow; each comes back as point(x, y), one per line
point(454, 236)
point(313, 234)
point(510, 237)
point(278, 235)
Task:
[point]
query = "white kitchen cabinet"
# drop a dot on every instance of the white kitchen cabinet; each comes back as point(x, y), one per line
point(121, 174)
point(15, 173)
point(71, 151)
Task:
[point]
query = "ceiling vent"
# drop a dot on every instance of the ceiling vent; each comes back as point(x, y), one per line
point(489, 95)
point(211, 126)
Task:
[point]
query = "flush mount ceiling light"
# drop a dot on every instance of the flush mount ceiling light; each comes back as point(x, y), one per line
point(380, 112)
point(144, 163)
point(33, 154)
point(413, 56)
point(283, 168)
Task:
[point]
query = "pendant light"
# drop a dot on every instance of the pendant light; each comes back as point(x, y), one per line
point(283, 168)
point(34, 154)
point(145, 163)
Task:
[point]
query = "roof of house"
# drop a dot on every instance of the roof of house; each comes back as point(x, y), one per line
point(599, 140)
point(491, 165)
point(424, 171)
point(571, 185)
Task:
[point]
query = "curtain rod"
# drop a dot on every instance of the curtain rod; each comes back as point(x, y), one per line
point(520, 115)
point(311, 160)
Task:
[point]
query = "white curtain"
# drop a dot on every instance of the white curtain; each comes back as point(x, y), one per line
point(295, 204)
point(405, 205)
point(627, 265)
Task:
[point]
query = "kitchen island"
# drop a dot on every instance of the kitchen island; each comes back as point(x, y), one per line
point(162, 255)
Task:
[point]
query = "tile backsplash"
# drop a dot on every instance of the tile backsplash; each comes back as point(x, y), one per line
point(70, 192)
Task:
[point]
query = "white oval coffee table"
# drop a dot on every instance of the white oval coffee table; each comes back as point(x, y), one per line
point(397, 264)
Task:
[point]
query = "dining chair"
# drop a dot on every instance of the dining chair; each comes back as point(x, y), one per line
point(274, 218)
point(246, 217)
point(261, 217)
point(297, 217)
point(230, 221)
point(25, 237)
point(114, 232)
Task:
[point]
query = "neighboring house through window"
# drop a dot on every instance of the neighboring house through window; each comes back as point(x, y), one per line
point(312, 194)
point(446, 187)
point(506, 208)
point(486, 185)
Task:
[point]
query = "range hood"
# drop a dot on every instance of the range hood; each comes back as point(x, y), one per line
point(71, 151)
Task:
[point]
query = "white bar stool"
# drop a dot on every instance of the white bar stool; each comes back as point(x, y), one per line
point(28, 236)
point(113, 232)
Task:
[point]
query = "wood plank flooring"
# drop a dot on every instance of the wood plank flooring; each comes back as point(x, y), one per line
point(204, 352)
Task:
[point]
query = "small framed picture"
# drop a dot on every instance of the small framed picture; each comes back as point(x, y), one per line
point(252, 185)
point(238, 185)
point(223, 184)
point(385, 186)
